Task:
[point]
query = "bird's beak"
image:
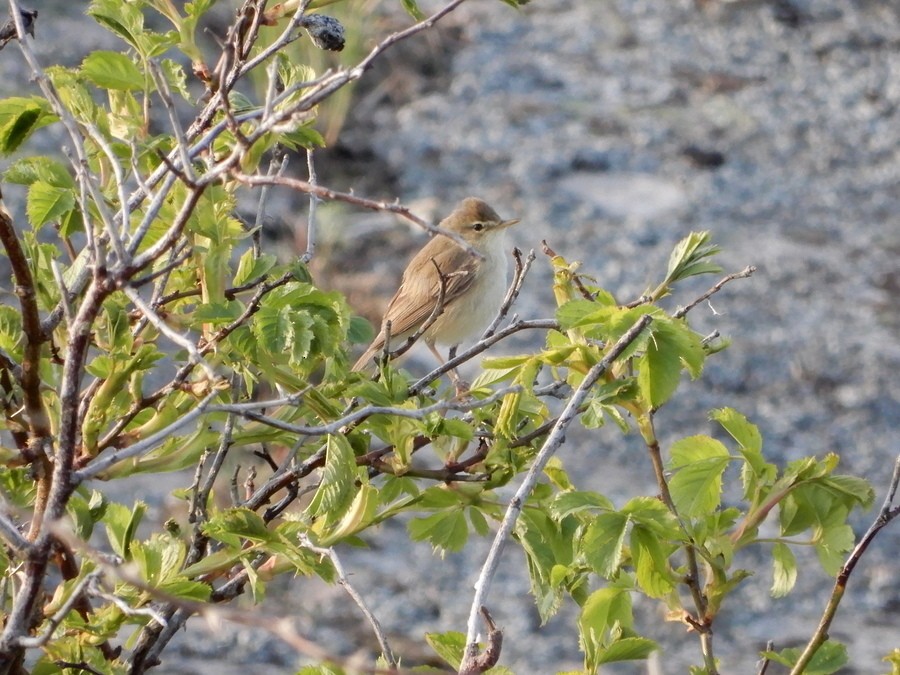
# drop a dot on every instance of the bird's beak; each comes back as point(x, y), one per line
point(503, 224)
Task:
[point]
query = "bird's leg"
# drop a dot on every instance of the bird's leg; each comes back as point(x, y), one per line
point(462, 387)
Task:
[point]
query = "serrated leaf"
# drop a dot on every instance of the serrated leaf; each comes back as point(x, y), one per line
point(650, 562)
point(112, 70)
point(337, 489)
point(697, 488)
point(829, 658)
point(450, 646)
point(784, 570)
point(603, 544)
point(671, 347)
point(47, 203)
point(251, 266)
point(445, 530)
point(833, 545)
point(575, 501)
point(19, 118)
point(121, 18)
point(32, 169)
point(627, 649)
point(689, 257)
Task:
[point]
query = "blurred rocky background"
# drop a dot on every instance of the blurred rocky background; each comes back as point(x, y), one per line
point(612, 128)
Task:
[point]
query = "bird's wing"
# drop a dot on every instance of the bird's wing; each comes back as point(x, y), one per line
point(418, 293)
point(417, 296)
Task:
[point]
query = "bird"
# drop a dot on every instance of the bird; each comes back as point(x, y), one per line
point(473, 286)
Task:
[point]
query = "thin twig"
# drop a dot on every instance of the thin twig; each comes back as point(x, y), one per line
point(11, 535)
point(480, 346)
point(743, 274)
point(156, 321)
point(887, 513)
point(512, 293)
point(54, 621)
point(551, 444)
point(313, 202)
point(338, 426)
point(344, 581)
point(362, 202)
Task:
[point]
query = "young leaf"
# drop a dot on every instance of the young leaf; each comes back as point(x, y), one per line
point(121, 524)
point(650, 562)
point(603, 543)
point(336, 491)
point(830, 657)
point(19, 118)
point(449, 646)
point(689, 258)
point(784, 568)
point(697, 484)
point(112, 70)
point(671, 347)
point(48, 204)
point(446, 530)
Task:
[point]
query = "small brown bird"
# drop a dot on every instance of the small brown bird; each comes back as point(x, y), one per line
point(473, 287)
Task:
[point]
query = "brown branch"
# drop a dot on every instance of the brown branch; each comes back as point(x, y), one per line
point(887, 513)
point(491, 654)
point(39, 432)
point(328, 194)
point(701, 623)
point(743, 274)
point(480, 346)
point(512, 293)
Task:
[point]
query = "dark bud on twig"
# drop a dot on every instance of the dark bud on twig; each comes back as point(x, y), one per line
point(8, 32)
point(326, 32)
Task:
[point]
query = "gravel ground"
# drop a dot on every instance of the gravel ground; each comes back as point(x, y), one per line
point(612, 128)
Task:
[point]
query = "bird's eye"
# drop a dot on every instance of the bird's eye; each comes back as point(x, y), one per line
point(478, 227)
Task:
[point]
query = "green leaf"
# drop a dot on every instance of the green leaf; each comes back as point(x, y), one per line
point(19, 118)
point(47, 203)
point(697, 484)
point(176, 77)
point(627, 649)
point(833, 545)
point(121, 524)
point(689, 258)
point(785, 570)
point(122, 18)
point(671, 347)
point(830, 657)
point(576, 501)
point(603, 544)
point(650, 563)
point(605, 630)
point(337, 488)
point(251, 266)
point(446, 530)
point(450, 646)
point(412, 9)
point(112, 70)
point(32, 169)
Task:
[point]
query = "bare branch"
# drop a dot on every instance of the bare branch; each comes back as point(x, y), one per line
point(313, 202)
point(551, 444)
point(344, 581)
point(743, 274)
point(887, 513)
point(332, 195)
point(480, 346)
point(338, 426)
point(160, 325)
